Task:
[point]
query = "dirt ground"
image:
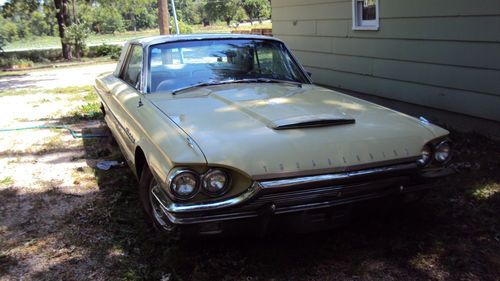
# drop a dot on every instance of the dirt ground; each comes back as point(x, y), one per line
point(63, 219)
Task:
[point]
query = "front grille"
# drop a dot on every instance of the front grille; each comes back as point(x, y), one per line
point(291, 200)
point(299, 194)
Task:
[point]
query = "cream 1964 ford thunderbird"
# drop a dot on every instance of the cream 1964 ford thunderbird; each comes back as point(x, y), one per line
point(230, 128)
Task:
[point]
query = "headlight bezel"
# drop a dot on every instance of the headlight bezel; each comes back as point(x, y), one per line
point(430, 155)
point(439, 146)
point(200, 183)
point(204, 183)
point(433, 147)
point(176, 173)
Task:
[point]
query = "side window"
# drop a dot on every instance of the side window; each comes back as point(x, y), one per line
point(132, 71)
point(270, 59)
point(263, 60)
point(365, 14)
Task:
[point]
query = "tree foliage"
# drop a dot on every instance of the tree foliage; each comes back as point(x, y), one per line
point(256, 9)
point(25, 18)
point(222, 10)
point(109, 20)
point(76, 34)
point(2, 43)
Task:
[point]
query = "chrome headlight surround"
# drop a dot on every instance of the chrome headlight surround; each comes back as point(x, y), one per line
point(426, 156)
point(181, 179)
point(442, 152)
point(216, 182)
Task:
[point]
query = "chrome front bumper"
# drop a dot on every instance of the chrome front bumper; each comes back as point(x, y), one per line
point(298, 194)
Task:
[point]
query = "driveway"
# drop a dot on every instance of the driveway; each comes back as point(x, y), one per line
point(56, 78)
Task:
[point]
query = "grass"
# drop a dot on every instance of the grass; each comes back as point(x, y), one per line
point(12, 73)
point(88, 111)
point(71, 90)
point(6, 181)
point(97, 39)
point(7, 93)
point(52, 143)
point(485, 190)
point(446, 236)
point(77, 91)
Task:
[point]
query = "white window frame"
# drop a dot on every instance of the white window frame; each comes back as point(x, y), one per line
point(357, 18)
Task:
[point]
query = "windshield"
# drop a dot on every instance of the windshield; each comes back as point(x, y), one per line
point(182, 64)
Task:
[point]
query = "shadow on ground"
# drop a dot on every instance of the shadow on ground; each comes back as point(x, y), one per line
point(21, 82)
point(451, 235)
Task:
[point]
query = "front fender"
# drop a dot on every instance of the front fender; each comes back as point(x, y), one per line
point(164, 144)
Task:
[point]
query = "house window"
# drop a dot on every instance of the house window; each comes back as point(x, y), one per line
point(365, 14)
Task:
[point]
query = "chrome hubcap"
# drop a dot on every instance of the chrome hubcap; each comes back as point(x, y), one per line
point(158, 213)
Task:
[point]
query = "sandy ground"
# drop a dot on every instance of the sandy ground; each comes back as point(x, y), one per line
point(56, 78)
point(40, 167)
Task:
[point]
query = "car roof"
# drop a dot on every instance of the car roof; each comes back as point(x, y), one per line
point(153, 40)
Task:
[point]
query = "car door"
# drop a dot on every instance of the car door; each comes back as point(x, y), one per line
point(126, 99)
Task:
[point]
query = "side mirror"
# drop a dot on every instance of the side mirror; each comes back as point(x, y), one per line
point(309, 74)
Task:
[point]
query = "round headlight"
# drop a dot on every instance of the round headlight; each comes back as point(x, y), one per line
point(184, 184)
point(425, 156)
point(443, 152)
point(215, 182)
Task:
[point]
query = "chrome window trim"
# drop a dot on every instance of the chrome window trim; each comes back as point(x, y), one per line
point(124, 66)
point(146, 79)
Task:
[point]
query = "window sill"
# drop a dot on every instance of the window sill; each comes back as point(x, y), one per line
point(372, 28)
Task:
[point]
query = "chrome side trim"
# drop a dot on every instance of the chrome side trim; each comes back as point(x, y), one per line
point(175, 207)
point(312, 180)
point(335, 170)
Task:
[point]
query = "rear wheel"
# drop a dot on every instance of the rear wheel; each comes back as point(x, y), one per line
point(151, 205)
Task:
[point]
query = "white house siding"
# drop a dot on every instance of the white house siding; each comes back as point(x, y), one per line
point(441, 54)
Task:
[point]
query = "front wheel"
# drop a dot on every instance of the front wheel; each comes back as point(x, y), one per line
point(151, 205)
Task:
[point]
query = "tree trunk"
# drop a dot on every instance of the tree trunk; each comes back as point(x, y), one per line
point(163, 17)
point(63, 21)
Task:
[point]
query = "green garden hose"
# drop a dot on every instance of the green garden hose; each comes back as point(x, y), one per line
point(64, 127)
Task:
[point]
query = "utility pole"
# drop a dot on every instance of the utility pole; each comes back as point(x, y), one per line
point(163, 17)
point(175, 17)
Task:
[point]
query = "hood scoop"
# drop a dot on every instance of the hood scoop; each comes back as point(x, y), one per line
point(311, 121)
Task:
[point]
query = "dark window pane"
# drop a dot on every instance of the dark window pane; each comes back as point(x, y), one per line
point(369, 10)
point(132, 73)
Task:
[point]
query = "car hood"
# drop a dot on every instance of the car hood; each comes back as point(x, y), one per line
point(279, 130)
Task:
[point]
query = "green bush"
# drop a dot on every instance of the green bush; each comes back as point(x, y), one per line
point(38, 24)
point(14, 62)
point(113, 51)
point(54, 54)
point(40, 55)
point(111, 21)
point(8, 30)
point(76, 35)
point(183, 28)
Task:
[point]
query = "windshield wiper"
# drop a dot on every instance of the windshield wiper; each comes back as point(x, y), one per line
point(268, 80)
point(202, 84)
point(247, 80)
